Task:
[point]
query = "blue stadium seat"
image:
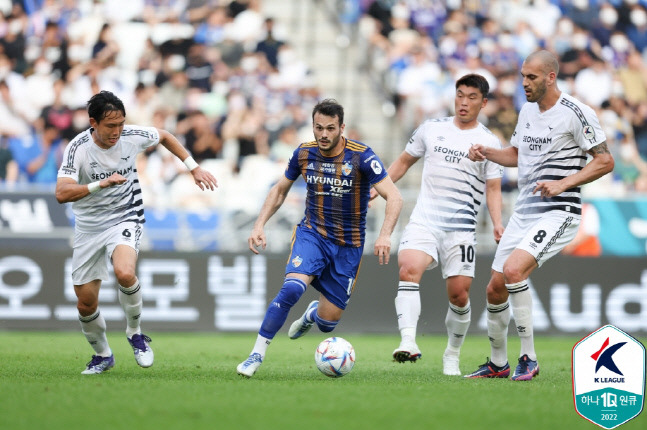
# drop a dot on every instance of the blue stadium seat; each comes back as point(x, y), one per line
point(204, 229)
point(161, 228)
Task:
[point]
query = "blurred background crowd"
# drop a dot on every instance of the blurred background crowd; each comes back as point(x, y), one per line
point(235, 83)
point(420, 47)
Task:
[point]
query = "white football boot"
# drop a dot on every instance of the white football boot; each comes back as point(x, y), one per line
point(450, 364)
point(250, 366)
point(98, 365)
point(143, 352)
point(302, 326)
point(407, 351)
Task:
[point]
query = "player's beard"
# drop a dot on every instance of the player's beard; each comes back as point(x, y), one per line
point(537, 93)
point(333, 143)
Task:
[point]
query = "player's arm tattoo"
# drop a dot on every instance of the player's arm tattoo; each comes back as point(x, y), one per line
point(599, 149)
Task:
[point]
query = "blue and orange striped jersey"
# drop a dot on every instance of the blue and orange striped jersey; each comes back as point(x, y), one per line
point(338, 189)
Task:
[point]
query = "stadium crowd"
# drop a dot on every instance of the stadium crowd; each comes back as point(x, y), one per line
point(418, 48)
point(227, 80)
point(215, 73)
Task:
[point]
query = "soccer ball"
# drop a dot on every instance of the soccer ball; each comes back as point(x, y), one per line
point(335, 357)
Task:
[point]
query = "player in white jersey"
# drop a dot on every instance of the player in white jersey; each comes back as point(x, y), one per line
point(443, 222)
point(554, 134)
point(99, 176)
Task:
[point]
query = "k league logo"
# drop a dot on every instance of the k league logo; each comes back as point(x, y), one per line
point(609, 377)
point(604, 358)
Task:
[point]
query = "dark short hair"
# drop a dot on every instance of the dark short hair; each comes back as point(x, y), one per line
point(103, 103)
point(475, 81)
point(329, 107)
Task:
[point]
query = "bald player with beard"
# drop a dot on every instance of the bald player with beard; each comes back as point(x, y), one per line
point(553, 136)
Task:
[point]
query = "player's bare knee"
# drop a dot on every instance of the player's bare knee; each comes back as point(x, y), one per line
point(86, 307)
point(512, 274)
point(125, 276)
point(496, 294)
point(459, 299)
point(409, 273)
point(329, 312)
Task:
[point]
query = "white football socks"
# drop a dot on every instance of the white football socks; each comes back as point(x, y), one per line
point(407, 308)
point(521, 302)
point(261, 345)
point(94, 328)
point(131, 302)
point(457, 322)
point(498, 318)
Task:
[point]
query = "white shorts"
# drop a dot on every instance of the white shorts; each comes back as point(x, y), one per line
point(93, 251)
point(542, 238)
point(455, 250)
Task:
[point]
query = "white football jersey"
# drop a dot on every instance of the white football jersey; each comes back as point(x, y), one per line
point(553, 145)
point(453, 187)
point(85, 162)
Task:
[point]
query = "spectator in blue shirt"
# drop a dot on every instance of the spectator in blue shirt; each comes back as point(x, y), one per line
point(37, 154)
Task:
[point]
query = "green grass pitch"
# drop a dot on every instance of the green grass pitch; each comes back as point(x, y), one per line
point(194, 385)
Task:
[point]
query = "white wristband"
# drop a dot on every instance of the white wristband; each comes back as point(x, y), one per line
point(93, 187)
point(190, 163)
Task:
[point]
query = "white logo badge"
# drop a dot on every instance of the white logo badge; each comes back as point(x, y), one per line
point(376, 166)
point(588, 132)
point(609, 377)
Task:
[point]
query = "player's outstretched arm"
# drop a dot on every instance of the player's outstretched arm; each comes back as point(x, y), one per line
point(397, 169)
point(68, 190)
point(401, 166)
point(507, 157)
point(601, 164)
point(203, 179)
point(391, 194)
point(273, 202)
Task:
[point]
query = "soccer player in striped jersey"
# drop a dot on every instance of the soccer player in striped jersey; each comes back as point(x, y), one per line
point(327, 244)
point(99, 176)
point(553, 136)
point(443, 222)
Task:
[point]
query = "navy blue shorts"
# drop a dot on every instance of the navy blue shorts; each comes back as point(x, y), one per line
point(334, 267)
